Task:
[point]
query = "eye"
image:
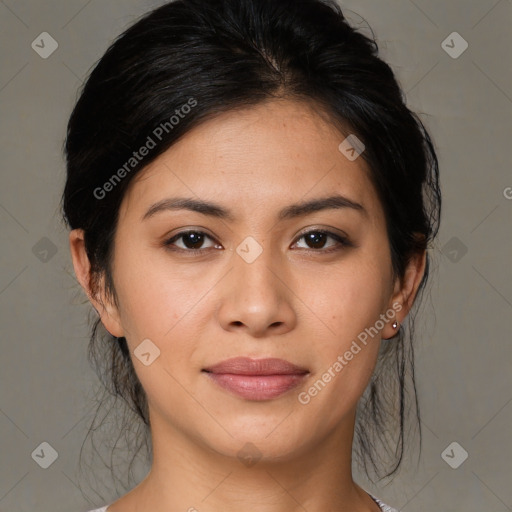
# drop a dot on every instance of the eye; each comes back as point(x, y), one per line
point(191, 241)
point(316, 241)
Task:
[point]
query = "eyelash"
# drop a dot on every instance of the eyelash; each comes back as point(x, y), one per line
point(342, 241)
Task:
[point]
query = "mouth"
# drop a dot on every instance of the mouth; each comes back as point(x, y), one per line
point(256, 379)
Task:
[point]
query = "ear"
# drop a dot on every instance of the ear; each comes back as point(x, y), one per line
point(405, 290)
point(107, 311)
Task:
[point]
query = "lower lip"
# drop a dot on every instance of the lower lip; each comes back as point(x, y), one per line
point(256, 387)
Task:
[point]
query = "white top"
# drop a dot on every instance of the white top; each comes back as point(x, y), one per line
point(383, 506)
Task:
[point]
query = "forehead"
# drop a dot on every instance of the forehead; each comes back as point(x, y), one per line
point(267, 155)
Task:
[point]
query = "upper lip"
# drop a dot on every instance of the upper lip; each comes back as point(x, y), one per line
point(248, 366)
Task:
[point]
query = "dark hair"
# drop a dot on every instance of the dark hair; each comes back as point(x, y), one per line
point(220, 55)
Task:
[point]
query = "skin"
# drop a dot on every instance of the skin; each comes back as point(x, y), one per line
point(295, 302)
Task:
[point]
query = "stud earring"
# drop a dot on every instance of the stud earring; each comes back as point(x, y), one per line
point(394, 324)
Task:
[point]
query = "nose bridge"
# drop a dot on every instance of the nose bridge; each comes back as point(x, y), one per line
point(255, 298)
point(253, 262)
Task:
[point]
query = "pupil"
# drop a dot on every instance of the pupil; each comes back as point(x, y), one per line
point(316, 238)
point(195, 240)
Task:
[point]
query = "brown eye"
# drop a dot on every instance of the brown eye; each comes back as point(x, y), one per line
point(317, 239)
point(190, 241)
point(193, 240)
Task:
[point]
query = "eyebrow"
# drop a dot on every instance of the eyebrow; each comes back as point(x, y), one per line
point(218, 211)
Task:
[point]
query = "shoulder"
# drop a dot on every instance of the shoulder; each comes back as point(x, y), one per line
point(383, 506)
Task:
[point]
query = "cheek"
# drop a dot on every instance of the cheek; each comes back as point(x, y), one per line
point(157, 297)
point(161, 305)
point(348, 299)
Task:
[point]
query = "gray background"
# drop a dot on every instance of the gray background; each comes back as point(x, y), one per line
point(464, 363)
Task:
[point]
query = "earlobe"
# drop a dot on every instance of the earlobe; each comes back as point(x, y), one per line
point(108, 312)
point(405, 292)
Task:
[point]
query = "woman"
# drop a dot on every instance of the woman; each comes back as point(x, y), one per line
point(250, 204)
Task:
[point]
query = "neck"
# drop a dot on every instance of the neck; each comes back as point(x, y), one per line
point(187, 475)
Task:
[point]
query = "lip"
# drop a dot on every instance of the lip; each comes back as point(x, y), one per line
point(256, 379)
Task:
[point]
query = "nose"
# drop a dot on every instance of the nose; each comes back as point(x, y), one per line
point(256, 299)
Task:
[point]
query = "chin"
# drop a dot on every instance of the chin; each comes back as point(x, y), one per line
point(262, 441)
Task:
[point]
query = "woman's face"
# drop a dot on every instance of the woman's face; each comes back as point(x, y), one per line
point(256, 285)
